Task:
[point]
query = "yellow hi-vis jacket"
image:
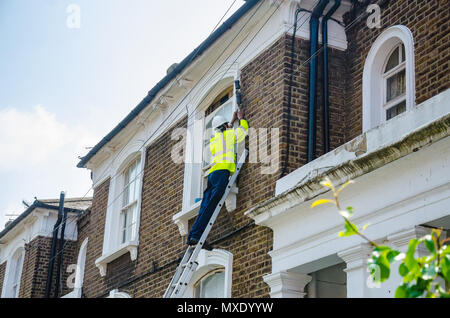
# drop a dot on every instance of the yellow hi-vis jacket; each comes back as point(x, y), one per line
point(222, 147)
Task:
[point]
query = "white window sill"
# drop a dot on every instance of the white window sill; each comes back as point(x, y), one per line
point(103, 261)
point(181, 219)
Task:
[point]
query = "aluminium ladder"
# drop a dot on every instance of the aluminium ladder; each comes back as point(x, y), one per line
point(188, 263)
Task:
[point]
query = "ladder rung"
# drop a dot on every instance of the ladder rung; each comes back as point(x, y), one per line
point(188, 263)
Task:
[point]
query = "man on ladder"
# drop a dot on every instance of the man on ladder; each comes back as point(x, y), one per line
point(222, 148)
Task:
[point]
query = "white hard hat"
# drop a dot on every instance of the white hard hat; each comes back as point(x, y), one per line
point(218, 121)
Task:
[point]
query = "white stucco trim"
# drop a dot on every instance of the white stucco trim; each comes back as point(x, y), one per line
point(285, 284)
point(373, 70)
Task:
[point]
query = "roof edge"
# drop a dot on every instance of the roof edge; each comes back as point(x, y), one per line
point(36, 204)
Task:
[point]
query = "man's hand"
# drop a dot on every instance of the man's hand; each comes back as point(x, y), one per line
point(237, 114)
point(240, 113)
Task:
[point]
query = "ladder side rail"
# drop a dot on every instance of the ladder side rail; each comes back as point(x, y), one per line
point(178, 272)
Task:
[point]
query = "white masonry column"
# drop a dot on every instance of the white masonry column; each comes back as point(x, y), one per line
point(287, 285)
point(357, 273)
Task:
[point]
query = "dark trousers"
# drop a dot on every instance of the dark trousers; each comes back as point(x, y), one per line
point(217, 184)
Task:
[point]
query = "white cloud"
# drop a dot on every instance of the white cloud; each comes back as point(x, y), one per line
point(38, 157)
point(33, 137)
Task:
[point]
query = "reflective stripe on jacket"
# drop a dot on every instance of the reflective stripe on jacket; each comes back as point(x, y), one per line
point(222, 147)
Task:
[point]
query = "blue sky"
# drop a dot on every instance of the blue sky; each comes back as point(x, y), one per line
point(62, 89)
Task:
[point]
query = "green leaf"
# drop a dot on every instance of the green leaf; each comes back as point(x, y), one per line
point(320, 202)
point(410, 261)
point(429, 244)
point(350, 229)
point(403, 270)
point(445, 250)
point(350, 211)
point(379, 264)
point(415, 291)
point(445, 267)
point(442, 292)
point(402, 291)
point(391, 255)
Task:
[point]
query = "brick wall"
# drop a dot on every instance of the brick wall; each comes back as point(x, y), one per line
point(35, 267)
point(83, 224)
point(429, 23)
point(162, 197)
point(2, 275)
point(93, 282)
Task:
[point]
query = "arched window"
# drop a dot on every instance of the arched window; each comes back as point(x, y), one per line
point(394, 83)
point(388, 77)
point(13, 274)
point(211, 285)
point(213, 276)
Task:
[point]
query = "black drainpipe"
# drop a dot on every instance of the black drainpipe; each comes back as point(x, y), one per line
point(60, 255)
point(291, 79)
point(326, 113)
point(53, 248)
point(314, 39)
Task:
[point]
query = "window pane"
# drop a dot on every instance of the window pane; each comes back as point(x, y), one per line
point(123, 222)
point(396, 86)
point(212, 286)
point(393, 60)
point(403, 53)
point(131, 183)
point(396, 110)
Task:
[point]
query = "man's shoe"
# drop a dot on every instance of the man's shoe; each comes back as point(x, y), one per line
point(205, 246)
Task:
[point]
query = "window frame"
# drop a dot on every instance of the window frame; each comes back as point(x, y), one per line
point(373, 83)
point(112, 242)
point(386, 75)
point(124, 210)
point(198, 283)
